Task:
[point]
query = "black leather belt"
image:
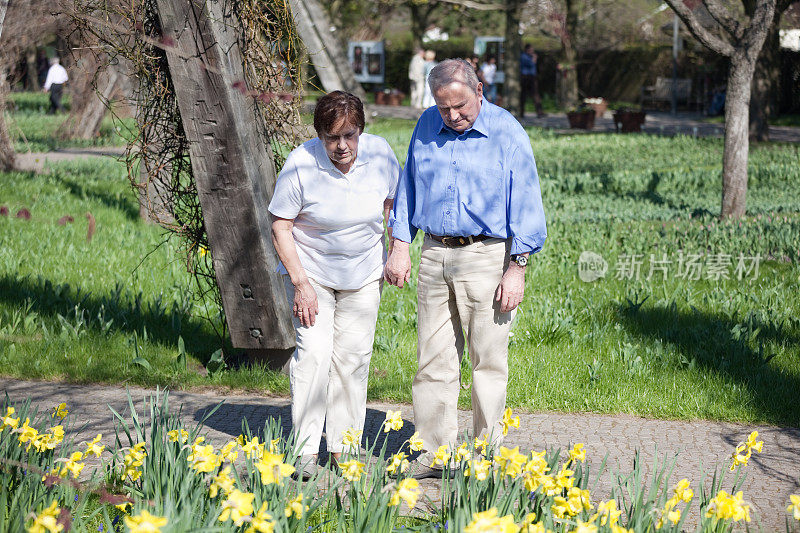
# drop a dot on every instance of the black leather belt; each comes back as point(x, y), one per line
point(454, 242)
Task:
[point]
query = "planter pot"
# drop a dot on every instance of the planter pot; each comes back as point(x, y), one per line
point(629, 121)
point(599, 109)
point(395, 98)
point(381, 98)
point(582, 120)
point(392, 98)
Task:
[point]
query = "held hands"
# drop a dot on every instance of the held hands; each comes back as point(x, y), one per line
point(305, 303)
point(511, 289)
point(398, 267)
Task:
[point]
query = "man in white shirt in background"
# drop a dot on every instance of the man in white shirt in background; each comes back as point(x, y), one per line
point(54, 84)
point(416, 74)
point(489, 70)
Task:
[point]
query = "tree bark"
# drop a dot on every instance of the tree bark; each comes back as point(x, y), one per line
point(568, 74)
point(766, 84)
point(420, 15)
point(232, 167)
point(737, 143)
point(90, 100)
point(324, 49)
point(7, 154)
point(512, 49)
point(31, 75)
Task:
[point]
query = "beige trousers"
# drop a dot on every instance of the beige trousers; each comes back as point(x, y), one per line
point(329, 369)
point(456, 291)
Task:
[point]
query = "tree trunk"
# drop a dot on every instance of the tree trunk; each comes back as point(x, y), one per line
point(512, 48)
point(7, 153)
point(420, 15)
point(324, 49)
point(737, 145)
point(31, 74)
point(90, 100)
point(568, 74)
point(766, 84)
point(232, 167)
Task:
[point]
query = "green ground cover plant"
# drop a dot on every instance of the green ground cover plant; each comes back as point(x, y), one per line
point(694, 318)
point(160, 476)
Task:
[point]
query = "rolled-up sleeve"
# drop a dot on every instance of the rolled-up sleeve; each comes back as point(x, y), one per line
point(526, 222)
point(405, 200)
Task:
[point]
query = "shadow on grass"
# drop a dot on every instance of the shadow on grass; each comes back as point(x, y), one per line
point(123, 203)
point(740, 349)
point(116, 311)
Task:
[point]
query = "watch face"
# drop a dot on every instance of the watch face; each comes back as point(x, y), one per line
point(521, 260)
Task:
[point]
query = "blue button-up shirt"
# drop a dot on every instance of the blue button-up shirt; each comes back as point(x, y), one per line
point(479, 182)
point(527, 66)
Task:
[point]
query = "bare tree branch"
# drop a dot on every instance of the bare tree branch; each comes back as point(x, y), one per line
point(3, 8)
point(720, 13)
point(480, 6)
point(706, 38)
point(759, 25)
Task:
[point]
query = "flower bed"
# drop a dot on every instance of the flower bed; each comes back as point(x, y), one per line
point(163, 477)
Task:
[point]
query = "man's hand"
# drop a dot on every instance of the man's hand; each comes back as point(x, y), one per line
point(511, 289)
point(305, 303)
point(398, 267)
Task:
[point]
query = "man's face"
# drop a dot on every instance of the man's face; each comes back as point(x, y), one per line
point(341, 144)
point(458, 105)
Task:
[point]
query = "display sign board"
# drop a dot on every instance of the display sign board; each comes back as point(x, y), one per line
point(367, 60)
point(491, 46)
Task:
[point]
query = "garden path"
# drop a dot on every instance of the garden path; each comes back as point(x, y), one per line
point(699, 444)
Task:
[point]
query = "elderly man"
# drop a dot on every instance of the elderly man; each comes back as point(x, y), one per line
point(54, 84)
point(416, 75)
point(470, 184)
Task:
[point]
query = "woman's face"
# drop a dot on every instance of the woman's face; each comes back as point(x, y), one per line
point(341, 144)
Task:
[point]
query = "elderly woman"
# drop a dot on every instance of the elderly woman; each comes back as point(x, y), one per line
point(329, 208)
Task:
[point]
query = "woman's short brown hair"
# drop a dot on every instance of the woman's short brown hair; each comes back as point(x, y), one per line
point(337, 105)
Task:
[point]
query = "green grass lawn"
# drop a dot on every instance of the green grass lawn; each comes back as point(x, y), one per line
point(655, 344)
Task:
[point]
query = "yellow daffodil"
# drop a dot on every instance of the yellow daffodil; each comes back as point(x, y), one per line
point(60, 411)
point(408, 491)
point(393, 421)
point(481, 444)
point(399, 463)
point(93, 447)
point(511, 461)
point(27, 434)
point(262, 521)
point(352, 470)
point(124, 506)
point(682, 491)
point(295, 507)
point(229, 452)
point(250, 448)
point(273, 469)
point(509, 421)
point(8, 420)
point(222, 482)
point(415, 442)
point(237, 506)
point(577, 453)
point(352, 437)
point(480, 468)
point(564, 477)
point(463, 453)
point(133, 460)
point(203, 458)
point(72, 465)
point(202, 250)
point(144, 522)
point(607, 512)
point(47, 520)
point(442, 455)
point(754, 444)
point(489, 521)
point(794, 507)
point(585, 527)
point(178, 435)
point(724, 506)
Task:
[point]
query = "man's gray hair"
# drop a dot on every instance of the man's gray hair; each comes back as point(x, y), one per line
point(54, 61)
point(453, 70)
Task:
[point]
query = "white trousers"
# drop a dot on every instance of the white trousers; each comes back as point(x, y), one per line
point(417, 91)
point(329, 369)
point(456, 291)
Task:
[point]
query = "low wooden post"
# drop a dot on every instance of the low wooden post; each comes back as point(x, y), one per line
point(233, 169)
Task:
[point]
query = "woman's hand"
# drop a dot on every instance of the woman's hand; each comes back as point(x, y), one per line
point(305, 303)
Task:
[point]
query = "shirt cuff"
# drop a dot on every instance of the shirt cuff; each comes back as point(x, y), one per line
point(528, 245)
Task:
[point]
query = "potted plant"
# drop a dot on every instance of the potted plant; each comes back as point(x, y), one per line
point(389, 97)
point(598, 103)
point(629, 120)
point(581, 118)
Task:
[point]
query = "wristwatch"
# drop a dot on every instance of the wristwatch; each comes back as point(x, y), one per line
point(520, 260)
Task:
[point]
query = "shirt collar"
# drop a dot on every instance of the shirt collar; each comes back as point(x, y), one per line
point(481, 124)
point(324, 162)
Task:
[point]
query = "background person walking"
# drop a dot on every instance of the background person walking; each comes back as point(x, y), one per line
point(529, 79)
point(54, 84)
